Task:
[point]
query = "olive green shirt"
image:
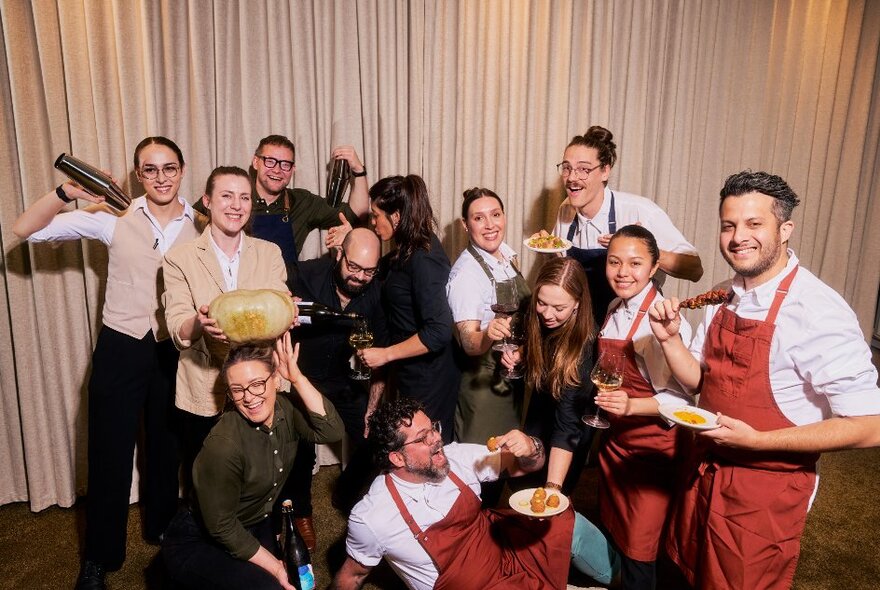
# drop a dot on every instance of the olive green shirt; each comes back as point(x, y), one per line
point(242, 467)
point(307, 211)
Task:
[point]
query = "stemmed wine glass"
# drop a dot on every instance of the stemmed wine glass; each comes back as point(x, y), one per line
point(360, 338)
point(607, 375)
point(506, 304)
point(515, 341)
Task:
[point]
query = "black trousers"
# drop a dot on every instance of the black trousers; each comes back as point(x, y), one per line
point(357, 475)
point(130, 378)
point(196, 561)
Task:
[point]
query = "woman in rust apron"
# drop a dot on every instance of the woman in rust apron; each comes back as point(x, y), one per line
point(739, 522)
point(637, 457)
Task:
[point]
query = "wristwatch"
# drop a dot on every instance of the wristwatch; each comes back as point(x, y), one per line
point(539, 446)
point(361, 173)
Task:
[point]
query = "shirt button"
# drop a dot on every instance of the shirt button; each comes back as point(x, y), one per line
point(275, 451)
point(274, 484)
point(280, 469)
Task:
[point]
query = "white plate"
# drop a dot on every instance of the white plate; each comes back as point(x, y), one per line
point(524, 497)
point(669, 412)
point(566, 246)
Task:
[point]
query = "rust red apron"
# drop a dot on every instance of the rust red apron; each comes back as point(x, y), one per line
point(636, 462)
point(739, 521)
point(474, 548)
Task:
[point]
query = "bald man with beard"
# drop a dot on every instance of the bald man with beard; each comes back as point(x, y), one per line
point(344, 281)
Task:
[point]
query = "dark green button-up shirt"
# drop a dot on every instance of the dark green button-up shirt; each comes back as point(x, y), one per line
point(242, 467)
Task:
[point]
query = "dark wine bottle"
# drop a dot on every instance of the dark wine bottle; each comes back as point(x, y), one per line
point(311, 311)
point(340, 176)
point(296, 554)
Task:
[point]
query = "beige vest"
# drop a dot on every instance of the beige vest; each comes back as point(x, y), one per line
point(134, 277)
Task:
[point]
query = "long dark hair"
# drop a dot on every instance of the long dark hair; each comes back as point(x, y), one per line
point(553, 357)
point(407, 196)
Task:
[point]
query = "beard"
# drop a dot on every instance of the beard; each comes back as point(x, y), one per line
point(768, 257)
point(431, 472)
point(350, 288)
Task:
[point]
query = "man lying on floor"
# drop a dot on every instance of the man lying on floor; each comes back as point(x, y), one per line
point(423, 515)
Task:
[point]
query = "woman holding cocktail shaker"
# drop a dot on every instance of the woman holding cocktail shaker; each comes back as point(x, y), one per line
point(134, 361)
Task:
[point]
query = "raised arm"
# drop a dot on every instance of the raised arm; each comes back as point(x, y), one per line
point(359, 200)
point(42, 211)
point(520, 453)
point(665, 321)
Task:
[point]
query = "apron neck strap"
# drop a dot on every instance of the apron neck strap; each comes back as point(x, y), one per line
point(781, 292)
point(649, 298)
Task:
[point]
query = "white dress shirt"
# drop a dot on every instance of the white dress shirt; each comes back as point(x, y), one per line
point(100, 224)
point(820, 363)
point(470, 292)
point(649, 355)
point(376, 529)
point(228, 265)
point(628, 209)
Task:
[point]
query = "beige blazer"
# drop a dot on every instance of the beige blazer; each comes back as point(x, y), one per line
point(193, 278)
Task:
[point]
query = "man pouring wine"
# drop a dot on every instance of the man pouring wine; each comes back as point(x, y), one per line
point(341, 282)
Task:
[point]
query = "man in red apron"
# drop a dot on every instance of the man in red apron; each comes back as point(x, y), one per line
point(423, 515)
point(785, 365)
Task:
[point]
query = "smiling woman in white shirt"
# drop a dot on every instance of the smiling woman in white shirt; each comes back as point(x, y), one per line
point(487, 403)
point(134, 362)
point(637, 460)
point(222, 259)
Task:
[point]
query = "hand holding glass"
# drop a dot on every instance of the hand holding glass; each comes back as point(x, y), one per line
point(360, 338)
point(515, 341)
point(607, 375)
point(507, 303)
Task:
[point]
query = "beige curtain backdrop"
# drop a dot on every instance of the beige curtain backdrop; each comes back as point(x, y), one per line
point(464, 93)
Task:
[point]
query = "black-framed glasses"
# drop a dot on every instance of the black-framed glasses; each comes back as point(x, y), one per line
point(152, 172)
point(581, 172)
point(257, 388)
point(269, 162)
point(355, 268)
point(436, 427)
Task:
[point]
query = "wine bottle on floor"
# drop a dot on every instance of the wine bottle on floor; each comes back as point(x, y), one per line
point(296, 554)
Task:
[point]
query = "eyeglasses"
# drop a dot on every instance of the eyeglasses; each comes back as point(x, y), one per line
point(579, 173)
point(152, 173)
point(355, 268)
point(286, 165)
point(257, 388)
point(436, 427)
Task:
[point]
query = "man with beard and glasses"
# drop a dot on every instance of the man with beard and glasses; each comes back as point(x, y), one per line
point(423, 514)
point(786, 368)
point(341, 282)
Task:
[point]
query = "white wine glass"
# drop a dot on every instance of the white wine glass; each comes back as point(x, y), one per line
point(607, 375)
point(360, 338)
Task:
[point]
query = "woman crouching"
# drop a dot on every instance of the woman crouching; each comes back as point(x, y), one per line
point(227, 539)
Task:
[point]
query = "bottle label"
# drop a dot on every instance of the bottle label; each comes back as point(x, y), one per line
point(306, 577)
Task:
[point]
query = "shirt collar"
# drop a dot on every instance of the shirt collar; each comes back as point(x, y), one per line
point(603, 210)
point(141, 203)
point(220, 251)
point(506, 252)
point(764, 293)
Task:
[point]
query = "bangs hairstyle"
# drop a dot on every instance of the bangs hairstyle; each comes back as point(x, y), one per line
point(157, 140)
point(260, 352)
point(637, 232)
point(472, 194)
point(223, 171)
point(385, 423)
point(553, 357)
point(408, 196)
point(741, 183)
point(600, 139)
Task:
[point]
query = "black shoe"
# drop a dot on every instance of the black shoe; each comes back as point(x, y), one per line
point(91, 577)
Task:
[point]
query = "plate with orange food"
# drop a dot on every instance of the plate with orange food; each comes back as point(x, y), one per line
point(539, 502)
point(690, 417)
point(547, 244)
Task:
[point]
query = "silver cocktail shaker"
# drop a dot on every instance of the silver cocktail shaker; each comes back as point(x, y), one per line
point(340, 175)
point(93, 181)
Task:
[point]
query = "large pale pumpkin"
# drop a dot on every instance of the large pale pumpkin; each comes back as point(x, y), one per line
point(253, 315)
